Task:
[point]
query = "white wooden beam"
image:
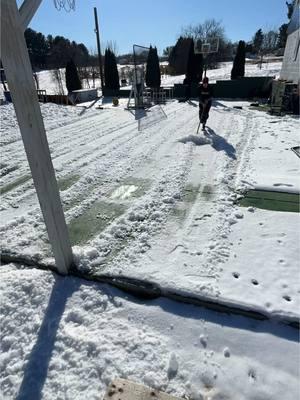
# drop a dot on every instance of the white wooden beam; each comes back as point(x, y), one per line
point(27, 11)
point(18, 72)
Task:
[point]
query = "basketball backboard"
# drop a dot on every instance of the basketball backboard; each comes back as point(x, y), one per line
point(207, 46)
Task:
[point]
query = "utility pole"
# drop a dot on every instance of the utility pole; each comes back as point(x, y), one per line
point(99, 48)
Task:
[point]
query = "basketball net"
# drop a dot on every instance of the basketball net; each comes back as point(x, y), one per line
point(67, 5)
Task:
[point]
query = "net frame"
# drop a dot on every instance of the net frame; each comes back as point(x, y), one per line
point(140, 55)
point(209, 46)
point(67, 5)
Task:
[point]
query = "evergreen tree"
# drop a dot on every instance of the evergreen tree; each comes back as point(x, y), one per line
point(179, 55)
point(152, 69)
point(194, 66)
point(37, 48)
point(111, 74)
point(72, 78)
point(282, 36)
point(238, 69)
point(258, 41)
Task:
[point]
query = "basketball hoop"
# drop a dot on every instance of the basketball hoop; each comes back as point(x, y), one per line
point(67, 5)
point(206, 47)
point(209, 46)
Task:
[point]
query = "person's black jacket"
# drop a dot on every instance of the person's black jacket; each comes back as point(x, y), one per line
point(205, 94)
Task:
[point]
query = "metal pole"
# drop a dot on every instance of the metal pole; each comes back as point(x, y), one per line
point(99, 48)
point(136, 99)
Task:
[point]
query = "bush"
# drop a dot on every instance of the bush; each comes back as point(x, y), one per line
point(72, 77)
point(238, 69)
point(153, 69)
point(111, 75)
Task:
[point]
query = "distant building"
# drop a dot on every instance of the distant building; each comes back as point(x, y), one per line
point(291, 66)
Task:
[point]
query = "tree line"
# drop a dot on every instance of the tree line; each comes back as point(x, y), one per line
point(48, 52)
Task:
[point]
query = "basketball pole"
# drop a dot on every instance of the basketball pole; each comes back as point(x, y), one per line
point(20, 81)
point(27, 11)
point(99, 48)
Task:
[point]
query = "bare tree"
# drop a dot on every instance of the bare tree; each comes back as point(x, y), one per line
point(270, 39)
point(58, 79)
point(112, 46)
point(36, 79)
point(209, 29)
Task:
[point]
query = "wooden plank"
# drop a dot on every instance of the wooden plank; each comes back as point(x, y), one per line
point(27, 11)
point(122, 389)
point(21, 84)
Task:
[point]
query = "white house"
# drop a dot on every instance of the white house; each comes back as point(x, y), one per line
point(291, 66)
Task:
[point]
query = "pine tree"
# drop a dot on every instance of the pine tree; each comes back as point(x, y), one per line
point(72, 78)
point(258, 41)
point(282, 36)
point(111, 74)
point(152, 69)
point(179, 55)
point(238, 69)
point(194, 66)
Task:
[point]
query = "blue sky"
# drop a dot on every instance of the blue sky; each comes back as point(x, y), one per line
point(158, 22)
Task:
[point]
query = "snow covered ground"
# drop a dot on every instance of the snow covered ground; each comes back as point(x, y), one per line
point(224, 71)
point(156, 204)
point(162, 200)
point(47, 82)
point(65, 338)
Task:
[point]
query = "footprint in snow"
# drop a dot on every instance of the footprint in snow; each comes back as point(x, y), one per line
point(173, 367)
point(282, 184)
point(226, 352)
point(252, 375)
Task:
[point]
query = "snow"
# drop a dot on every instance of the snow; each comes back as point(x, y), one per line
point(169, 198)
point(153, 200)
point(67, 338)
point(224, 70)
point(47, 82)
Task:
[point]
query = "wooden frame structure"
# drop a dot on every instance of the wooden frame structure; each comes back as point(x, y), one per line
point(15, 59)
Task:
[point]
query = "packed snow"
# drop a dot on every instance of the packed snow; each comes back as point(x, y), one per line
point(65, 338)
point(162, 200)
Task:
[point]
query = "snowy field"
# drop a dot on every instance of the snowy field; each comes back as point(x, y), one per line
point(156, 204)
point(47, 83)
point(224, 71)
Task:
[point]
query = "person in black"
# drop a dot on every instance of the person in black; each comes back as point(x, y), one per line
point(205, 98)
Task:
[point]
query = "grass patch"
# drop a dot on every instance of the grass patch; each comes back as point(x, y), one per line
point(67, 181)
point(275, 201)
point(93, 221)
point(208, 192)
point(14, 184)
point(190, 193)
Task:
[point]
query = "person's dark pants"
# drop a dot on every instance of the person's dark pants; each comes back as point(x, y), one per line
point(204, 112)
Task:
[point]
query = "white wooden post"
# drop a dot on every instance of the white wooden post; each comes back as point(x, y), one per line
point(27, 11)
point(18, 72)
